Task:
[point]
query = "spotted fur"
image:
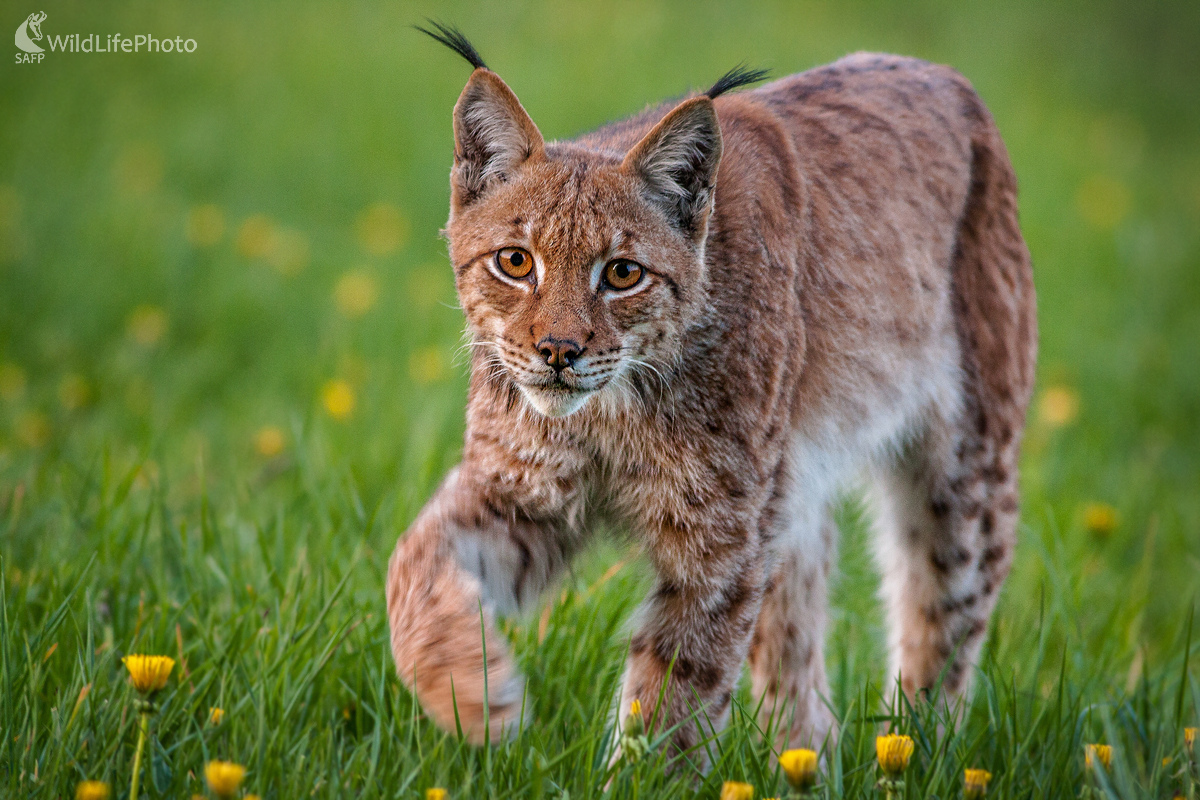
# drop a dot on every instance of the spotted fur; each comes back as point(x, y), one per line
point(835, 286)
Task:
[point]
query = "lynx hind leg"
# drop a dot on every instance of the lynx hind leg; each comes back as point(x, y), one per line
point(948, 507)
point(787, 653)
point(947, 516)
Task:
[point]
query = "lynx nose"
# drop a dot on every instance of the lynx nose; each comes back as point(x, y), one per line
point(559, 353)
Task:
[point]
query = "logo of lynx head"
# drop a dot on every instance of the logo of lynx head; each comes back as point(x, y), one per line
point(30, 31)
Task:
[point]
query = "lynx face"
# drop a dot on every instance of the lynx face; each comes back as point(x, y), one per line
point(575, 270)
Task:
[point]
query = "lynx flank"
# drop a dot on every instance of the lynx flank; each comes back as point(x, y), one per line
point(703, 324)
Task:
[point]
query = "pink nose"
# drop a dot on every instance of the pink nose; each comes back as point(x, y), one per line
point(559, 353)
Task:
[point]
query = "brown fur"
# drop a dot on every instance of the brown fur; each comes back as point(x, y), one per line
point(836, 285)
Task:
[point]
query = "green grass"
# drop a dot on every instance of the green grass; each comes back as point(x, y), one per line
point(136, 514)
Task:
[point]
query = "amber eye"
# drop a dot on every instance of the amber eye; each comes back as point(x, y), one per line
point(514, 262)
point(622, 274)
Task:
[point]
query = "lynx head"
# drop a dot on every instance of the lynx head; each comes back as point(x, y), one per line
point(577, 267)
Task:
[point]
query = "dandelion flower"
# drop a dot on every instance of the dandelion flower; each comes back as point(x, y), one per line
point(1189, 738)
point(33, 428)
point(436, 793)
point(976, 783)
point(382, 229)
point(91, 790)
point(146, 325)
point(1100, 519)
point(733, 790)
point(269, 441)
point(216, 715)
point(893, 752)
point(256, 237)
point(74, 392)
point(1058, 406)
point(148, 673)
point(224, 777)
point(1103, 202)
point(635, 709)
point(427, 365)
point(800, 768)
point(356, 293)
point(338, 399)
point(1098, 752)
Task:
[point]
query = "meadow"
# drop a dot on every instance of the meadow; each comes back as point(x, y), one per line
point(230, 375)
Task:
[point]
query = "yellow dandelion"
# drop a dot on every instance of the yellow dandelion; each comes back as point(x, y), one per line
point(205, 225)
point(381, 229)
point(148, 673)
point(338, 398)
point(976, 783)
point(33, 428)
point(1189, 741)
point(356, 293)
point(12, 382)
point(893, 752)
point(733, 790)
point(91, 790)
point(1100, 519)
point(1103, 202)
point(269, 441)
point(74, 392)
point(256, 237)
point(1098, 752)
point(216, 715)
point(427, 365)
point(1058, 406)
point(633, 730)
point(146, 325)
point(800, 768)
point(436, 793)
point(251, 797)
point(224, 777)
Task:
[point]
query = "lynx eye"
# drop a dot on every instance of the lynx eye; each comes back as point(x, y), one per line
point(514, 262)
point(622, 274)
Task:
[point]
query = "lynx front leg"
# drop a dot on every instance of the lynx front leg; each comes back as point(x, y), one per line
point(696, 627)
point(787, 654)
point(465, 556)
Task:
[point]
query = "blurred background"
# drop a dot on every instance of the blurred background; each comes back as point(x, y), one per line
point(223, 291)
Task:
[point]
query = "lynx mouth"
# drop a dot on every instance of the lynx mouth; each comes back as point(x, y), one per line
point(555, 399)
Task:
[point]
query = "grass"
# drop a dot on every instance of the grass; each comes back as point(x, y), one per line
point(228, 381)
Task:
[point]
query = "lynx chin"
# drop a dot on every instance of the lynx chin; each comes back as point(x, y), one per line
point(702, 324)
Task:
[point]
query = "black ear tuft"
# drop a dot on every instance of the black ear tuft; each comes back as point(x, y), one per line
point(739, 76)
point(453, 38)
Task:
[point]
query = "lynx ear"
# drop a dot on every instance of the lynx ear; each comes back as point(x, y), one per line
point(677, 161)
point(493, 136)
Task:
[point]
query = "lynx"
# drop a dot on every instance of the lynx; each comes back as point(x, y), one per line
point(703, 324)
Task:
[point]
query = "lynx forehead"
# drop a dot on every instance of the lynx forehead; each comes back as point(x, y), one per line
point(702, 324)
